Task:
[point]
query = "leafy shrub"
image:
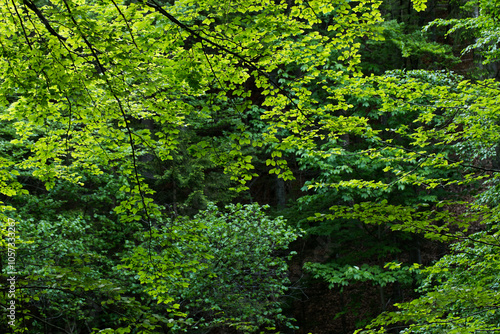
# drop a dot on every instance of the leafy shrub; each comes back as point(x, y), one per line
point(243, 282)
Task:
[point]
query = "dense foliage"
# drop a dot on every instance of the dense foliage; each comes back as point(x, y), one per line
point(133, 132)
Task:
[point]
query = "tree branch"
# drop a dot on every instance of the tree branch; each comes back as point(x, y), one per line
point(44, 20)
point(155, 5)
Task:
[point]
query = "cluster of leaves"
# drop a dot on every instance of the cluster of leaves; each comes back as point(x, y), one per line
point(480, 21)
point(460, 293)
point(336, 276)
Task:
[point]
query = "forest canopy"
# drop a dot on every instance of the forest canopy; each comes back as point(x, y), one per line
point(197, 165)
